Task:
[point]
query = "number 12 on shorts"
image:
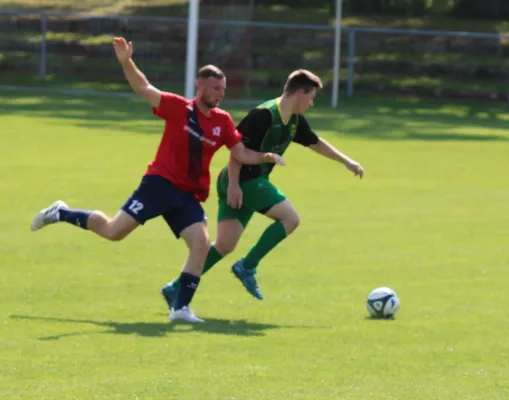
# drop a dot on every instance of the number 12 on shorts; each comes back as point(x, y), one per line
point(136, 207)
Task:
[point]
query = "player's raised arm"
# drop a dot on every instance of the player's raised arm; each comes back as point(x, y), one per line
point(138, 81)
point(326, 149)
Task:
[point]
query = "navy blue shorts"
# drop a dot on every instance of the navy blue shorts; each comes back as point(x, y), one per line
point(157, 196)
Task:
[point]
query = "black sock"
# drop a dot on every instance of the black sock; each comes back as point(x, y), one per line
point(74, 217)
point(188, 285)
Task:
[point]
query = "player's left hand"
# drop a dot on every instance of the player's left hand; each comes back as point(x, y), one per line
point(235, 196)
point(123, 50)
point(274, 159)
point(355, 167)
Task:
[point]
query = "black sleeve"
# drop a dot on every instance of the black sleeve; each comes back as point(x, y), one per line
point(254, 126)
point(304, 135)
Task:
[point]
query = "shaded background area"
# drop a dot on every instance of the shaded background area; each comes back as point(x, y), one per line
point(258, 58)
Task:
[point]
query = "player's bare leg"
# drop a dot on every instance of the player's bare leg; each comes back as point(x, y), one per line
point(285, 213)
point(229, 232)
point(197, 241)
point(114, 229)
point(286, 221)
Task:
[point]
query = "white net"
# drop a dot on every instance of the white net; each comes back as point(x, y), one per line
point(259, 45)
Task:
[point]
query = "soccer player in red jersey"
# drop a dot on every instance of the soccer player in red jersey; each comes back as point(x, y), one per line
point(178, 179)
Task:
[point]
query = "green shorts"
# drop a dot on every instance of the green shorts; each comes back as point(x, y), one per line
point(259, 195)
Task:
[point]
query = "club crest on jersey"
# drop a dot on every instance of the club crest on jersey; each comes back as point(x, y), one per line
point(216, 131)
point(293, 130)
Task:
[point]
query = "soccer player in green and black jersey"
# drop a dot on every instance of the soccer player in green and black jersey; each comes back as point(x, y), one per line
point(246, 189)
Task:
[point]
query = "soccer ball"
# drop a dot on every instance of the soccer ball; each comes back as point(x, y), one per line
point(383, 302)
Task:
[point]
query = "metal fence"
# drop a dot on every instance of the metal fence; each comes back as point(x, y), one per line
point(257, 56)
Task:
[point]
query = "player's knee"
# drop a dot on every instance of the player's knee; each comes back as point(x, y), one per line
point(225, 248)
point(114, 229)
point(291, 223)
point(115, 236)
point(115, 233)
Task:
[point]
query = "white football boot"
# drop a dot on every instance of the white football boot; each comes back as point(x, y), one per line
point(184, 314)
point(48, 215)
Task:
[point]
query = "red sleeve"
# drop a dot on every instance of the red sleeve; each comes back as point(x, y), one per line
point(232, 136)
point(168, 104)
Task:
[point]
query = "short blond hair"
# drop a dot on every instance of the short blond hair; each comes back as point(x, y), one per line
point(302, 79)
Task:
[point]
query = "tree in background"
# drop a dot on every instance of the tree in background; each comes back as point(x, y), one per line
point(403, 7)
point(493, 9)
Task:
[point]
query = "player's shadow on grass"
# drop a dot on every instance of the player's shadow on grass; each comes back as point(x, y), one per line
point(374, 117)
point(160, 329)
point(367, 117)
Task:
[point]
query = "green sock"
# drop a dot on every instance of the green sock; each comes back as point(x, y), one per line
point(269, 239)
point(213, 257)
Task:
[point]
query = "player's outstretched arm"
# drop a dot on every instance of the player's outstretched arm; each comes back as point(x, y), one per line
point(234, 191)
point(246, 156)
point(326, 149)
point(138, 81)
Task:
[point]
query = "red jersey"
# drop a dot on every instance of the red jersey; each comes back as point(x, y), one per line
point(189, 141)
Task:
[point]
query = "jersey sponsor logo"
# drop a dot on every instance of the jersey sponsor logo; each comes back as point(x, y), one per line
point(187, 128)
point(216, 131)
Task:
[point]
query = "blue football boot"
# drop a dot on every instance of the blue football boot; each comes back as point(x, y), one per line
point(247, 277)
point(170, 294)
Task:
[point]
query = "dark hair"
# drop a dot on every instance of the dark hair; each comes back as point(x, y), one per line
point(210, 71)
point(302, 79)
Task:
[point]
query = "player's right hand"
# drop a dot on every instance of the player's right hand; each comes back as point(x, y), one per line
point(123, 50)
point(274, 159)
point(355, 167)
point(234, 196)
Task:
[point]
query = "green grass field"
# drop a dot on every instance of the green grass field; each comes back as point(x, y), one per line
point(82, 318)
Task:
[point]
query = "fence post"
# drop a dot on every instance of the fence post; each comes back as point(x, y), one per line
point(42, 61)
point(351, 62)
point(337, 53)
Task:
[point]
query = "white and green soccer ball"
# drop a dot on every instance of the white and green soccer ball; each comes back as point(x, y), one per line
point(383, 302)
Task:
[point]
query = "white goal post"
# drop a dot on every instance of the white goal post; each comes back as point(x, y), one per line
point(192, 49)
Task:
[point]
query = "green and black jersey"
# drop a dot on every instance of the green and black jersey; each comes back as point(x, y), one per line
point(263, 130)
